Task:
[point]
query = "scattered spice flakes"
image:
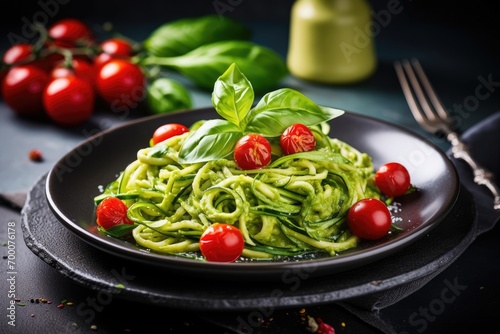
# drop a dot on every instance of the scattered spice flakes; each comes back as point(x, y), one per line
point(303, 314)
point(64, 303)
point(312, 325)
point(315, 325)
point(266, 323)
point(72, 324)
point(41, 300)
point(324, 328)
point(35, 155)
point(19, 302)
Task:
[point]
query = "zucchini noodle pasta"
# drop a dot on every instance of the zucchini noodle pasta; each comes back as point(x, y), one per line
point(296, 205)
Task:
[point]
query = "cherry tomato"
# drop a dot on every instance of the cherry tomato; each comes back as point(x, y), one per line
point(110, 212)
point(168, 130)
point(297, 138)
point(18, 53)
point(79, 68)
point(393, 179)
point(252, 151)
point(113, 48)
point(221, 243)
point(121, 84)
point(69, 101)
point(71, 33)
point(369, 219)
point(117, 47)
point(48, 62)
point(22, 89)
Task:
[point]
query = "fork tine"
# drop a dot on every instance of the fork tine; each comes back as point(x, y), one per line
point(419, 91)
point(436, 102)
point(437, 120)
point(404, 80)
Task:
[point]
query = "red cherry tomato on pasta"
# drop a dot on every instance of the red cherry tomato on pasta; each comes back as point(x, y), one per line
point(393, 179)
point(221, 243)
point(297, 138)
point(71, 33)
point(252, 151)
point(369, 219)
point(167, 131)
point(110, 212)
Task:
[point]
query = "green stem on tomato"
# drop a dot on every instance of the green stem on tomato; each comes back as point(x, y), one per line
point(43, 37)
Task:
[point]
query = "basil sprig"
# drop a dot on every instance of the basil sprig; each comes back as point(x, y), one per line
point(178, 37)
point(232, 98)
point(264, 67)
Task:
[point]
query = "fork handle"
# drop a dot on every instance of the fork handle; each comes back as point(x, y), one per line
point(481, 175)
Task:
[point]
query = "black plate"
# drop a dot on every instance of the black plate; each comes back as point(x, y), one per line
point(369, 286)
point(75, 179)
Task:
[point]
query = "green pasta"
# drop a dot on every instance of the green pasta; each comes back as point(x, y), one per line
point(294, 206)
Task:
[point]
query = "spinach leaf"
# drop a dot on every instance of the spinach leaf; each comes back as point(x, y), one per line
point(181, 36)
point(233, 95)
point(279, 109)
point(215, 139)
point(263, 67)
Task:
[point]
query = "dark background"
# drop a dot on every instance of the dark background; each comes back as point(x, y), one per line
point(476, 17)
point(456, 41)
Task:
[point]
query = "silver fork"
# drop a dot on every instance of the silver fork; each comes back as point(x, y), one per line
point(431, 115)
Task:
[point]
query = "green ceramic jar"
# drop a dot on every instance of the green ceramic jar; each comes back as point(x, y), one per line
point(331, 41)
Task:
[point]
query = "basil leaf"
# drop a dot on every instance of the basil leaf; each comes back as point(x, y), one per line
point(215, 139)
point(279, 109)
point(158, 151)
point(263, 67)
point(165, 95)
point(233, 95)
point(118, 231)
point(181, 36)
